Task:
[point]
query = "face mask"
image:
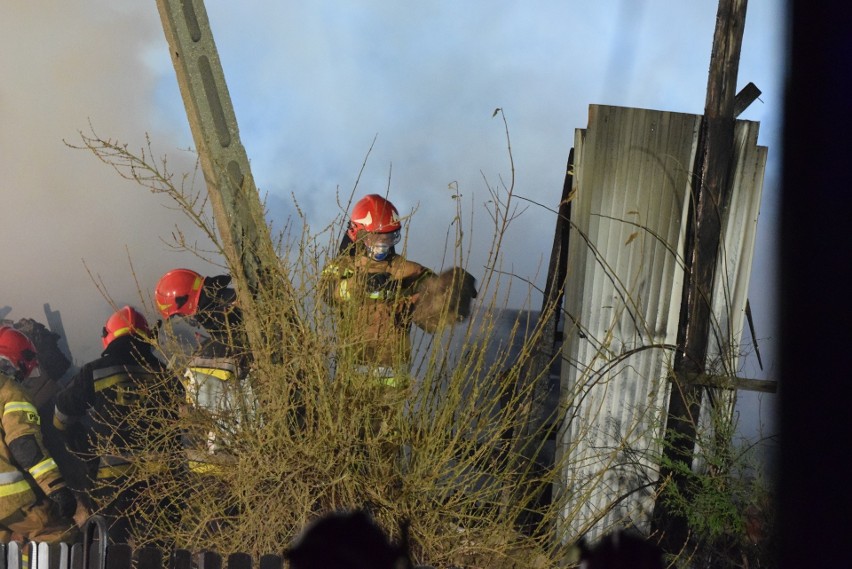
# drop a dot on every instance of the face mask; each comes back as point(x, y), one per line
point(379, 252)
point(378, 245)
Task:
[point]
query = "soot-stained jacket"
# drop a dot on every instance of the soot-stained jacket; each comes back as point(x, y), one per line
point(126, 397)
point(376, 299)
point(26, 469)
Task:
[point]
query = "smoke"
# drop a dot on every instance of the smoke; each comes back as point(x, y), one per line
point(313, 84)
point(70, 223)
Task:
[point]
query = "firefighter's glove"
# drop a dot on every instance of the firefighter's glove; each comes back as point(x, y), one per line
point(380, 285)
point(65, 500)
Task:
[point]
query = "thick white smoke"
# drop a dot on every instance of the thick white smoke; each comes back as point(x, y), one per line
point(66, 67)
point(312, 84)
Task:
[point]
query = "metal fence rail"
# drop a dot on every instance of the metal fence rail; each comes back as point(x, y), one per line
point(95, 553)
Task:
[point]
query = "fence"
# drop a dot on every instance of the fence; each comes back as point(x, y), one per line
point(95, 553)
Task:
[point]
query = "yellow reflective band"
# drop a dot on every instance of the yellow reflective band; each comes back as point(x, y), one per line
point(204, 467)
point(19, 407)
point(113, 471)
point(383, 375)
point(43, 468)
point(15, 488)
point(121, 332)
point(220, 374)
point(110, 381)
point(390, 381)
point(197, 283)
point(343, 289)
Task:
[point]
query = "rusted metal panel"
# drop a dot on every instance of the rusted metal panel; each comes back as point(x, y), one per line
point(632, 179)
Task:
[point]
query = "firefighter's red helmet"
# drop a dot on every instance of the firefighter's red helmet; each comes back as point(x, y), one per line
point(125, 321)
point(373, 214)
point(178, 292)
point(18, 350)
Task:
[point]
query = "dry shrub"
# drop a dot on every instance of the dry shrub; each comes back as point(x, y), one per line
point(458, 453)
point(450, 453)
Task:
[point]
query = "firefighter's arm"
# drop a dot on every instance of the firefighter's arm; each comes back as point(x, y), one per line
point(72, 402)
point(444, 299)
point(22, 428)
point(413, 283)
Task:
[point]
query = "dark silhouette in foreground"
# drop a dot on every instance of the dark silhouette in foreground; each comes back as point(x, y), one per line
point(621, 550)
point(348, 540)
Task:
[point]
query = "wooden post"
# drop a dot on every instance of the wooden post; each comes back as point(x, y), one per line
point(710, 194)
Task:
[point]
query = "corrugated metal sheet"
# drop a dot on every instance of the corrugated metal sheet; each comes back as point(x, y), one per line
point(625, 274)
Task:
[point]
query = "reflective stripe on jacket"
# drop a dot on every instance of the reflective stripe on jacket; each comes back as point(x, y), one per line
point(129, 397)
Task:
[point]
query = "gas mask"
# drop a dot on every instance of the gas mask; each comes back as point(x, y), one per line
point(379, 245)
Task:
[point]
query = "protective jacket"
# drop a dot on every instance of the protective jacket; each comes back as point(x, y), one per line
point(124, 396)
point(216, 383)
point(26, 469)
point(376, 299)
point(218, 391)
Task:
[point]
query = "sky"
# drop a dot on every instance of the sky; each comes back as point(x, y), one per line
point(315, 85)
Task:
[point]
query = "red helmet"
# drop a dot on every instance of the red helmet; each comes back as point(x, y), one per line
point(373, 214)
point(16, 348)
point(178, 292)
point(125, 321)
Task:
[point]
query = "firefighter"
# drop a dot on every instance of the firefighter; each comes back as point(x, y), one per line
point(217, 390)
point(122, 402)
point(376, 289)
point(381, 294)
point(35, 504)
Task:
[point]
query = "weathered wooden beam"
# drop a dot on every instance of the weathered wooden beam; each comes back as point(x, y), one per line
point(731, 382)
point(745, 97)
point(710, 191)
point(538, 419)
point(554, 290)
point(750, 321)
